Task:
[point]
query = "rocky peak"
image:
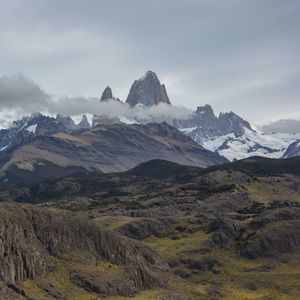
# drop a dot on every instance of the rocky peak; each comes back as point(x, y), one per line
point(107, 94)
point(147, 91)
point(206, 116)
point(84, 123)
point(231, 122)
point(67, 121)
point(206, 109)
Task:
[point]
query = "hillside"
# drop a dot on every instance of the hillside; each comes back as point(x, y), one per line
point(104, 148)
point(226, 232)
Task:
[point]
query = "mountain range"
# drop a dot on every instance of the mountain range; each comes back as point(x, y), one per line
point(153, 203)
point(227, 134)
point(37, 147)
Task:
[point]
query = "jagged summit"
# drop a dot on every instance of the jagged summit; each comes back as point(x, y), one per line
point(149, 75)
point(228, 122)
point(84, 123)
point(148, 91)
point(107, 94)
point(67, 121)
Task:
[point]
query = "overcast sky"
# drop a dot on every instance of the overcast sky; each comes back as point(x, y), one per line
point(239, 55)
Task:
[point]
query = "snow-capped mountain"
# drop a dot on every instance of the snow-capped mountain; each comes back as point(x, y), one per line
point(227, 134)
point(293, 149)
point(19, 130)
point(25, 129)
point(233, 137)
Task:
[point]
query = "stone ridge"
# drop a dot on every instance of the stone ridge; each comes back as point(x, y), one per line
point(34, 240)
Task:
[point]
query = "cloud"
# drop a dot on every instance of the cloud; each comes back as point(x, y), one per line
point(19, 96)
point(113, 109)
point(282, 126)
point(225, 53)
point(20, 93)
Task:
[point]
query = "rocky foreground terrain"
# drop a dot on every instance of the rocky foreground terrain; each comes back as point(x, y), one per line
point(158, 231)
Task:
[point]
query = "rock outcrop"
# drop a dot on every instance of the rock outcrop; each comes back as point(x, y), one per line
point(107, 94)
point(147, 91)
point(34, 240)
point(273, 240)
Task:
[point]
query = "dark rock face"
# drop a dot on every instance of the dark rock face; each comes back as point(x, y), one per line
point(66, 121)
point(230, 122)
point(47, 126)
point(293, 150)
point(33, 239)
point(107, 94)
point(147, 91)
point(271, 241)
point(209, 125)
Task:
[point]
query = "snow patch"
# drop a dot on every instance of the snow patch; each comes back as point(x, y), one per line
point(32, 128)
point(188, 130)
point(126, 120)
point(3, 148)
point(251, 143)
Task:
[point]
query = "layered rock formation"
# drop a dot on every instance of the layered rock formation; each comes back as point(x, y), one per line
point(34, 241)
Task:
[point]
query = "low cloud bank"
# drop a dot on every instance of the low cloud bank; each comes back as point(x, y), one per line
point(19, 96)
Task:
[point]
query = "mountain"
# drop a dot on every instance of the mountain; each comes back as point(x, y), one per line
point(108, 95)
point(293, 150)
point(206, 124)
point(52, 150)
point(232, 136)
point(67, 121)
point(205, 230)
point(147, 91)
point(84, 123)
point(23, 130)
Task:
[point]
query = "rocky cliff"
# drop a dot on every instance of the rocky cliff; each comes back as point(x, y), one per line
point(35, 241)
point(147, 91)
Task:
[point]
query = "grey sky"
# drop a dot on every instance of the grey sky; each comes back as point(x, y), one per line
point(240, 55)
